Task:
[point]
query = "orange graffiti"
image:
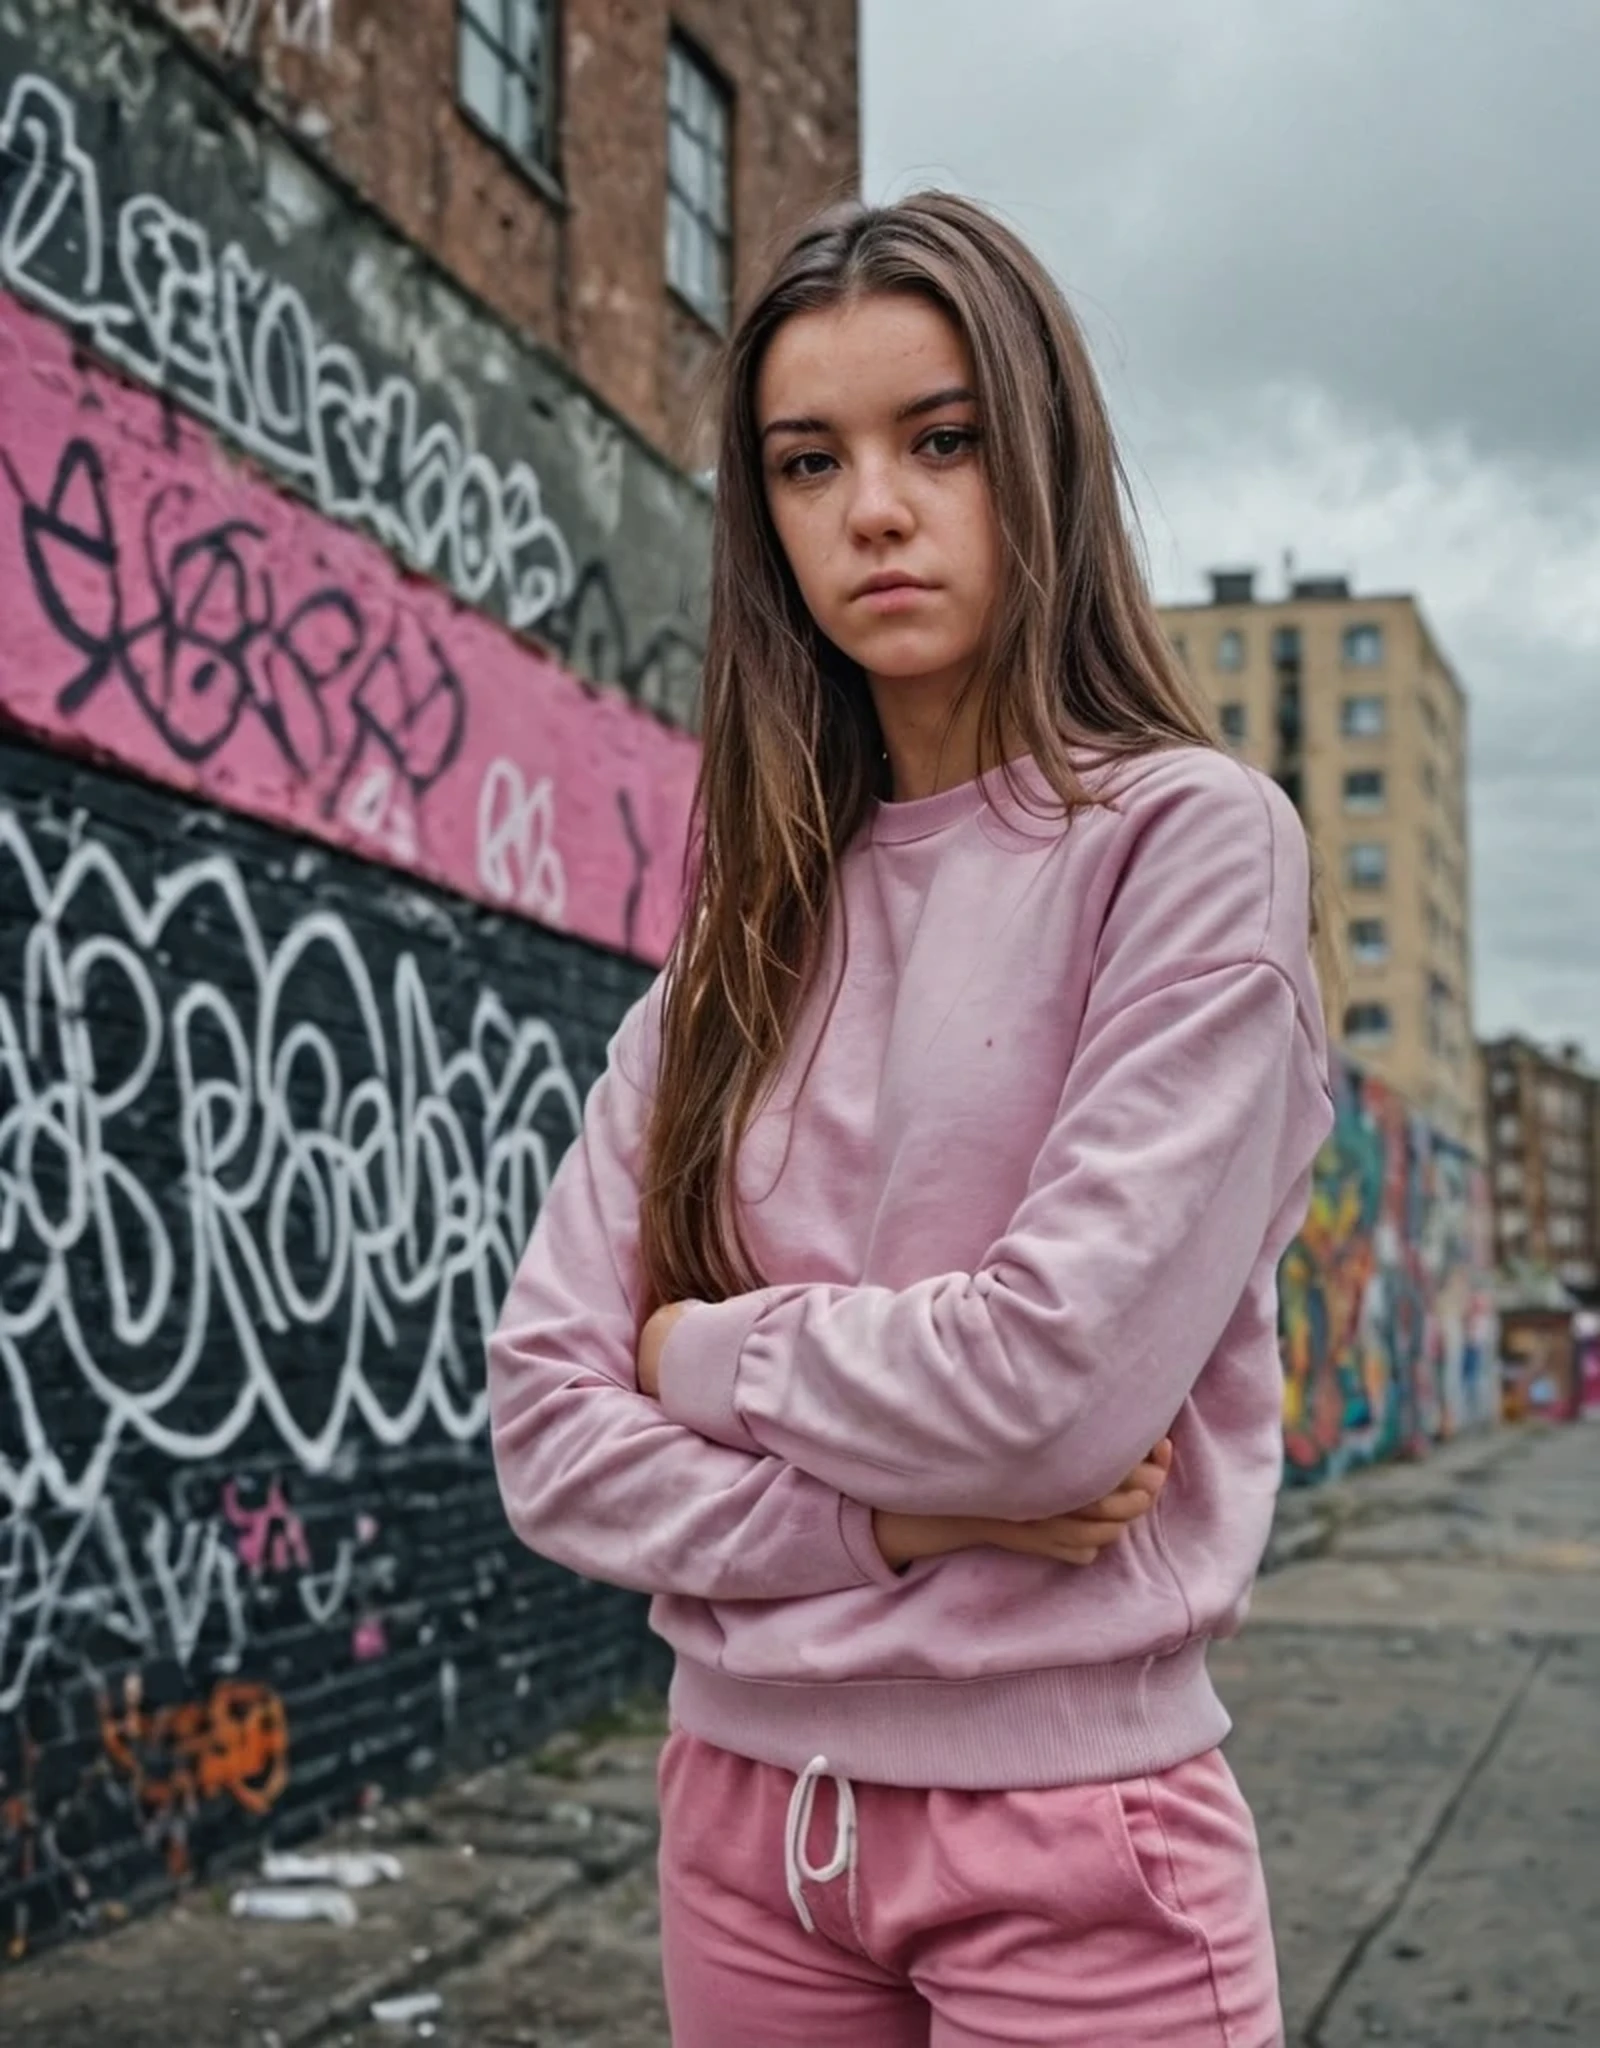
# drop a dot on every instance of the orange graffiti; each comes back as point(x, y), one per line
point(235, 1743)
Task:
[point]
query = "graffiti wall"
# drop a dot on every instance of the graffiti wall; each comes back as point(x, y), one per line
point(273, 1130)
point(1387, 1303)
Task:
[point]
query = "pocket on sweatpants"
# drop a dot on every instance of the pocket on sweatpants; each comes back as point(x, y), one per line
point(1191, 1840)
point(1148, 1850)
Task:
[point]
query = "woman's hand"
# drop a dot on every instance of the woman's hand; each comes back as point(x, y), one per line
point(652, 1342)
point(1070, 1539)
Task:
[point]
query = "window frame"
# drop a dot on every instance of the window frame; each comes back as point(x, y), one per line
point(1354, 880)
point(1239, 737)
point(1230, 636)
point(1349, 726)
point(1369, 952)
point(1373, 805)
point(1382, 1034)
point(543, 170)
point(684, 50)
point(1354, 636)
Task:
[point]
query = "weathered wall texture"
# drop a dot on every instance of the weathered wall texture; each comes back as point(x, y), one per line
point(580, 264)
point(1387, 1304)
point(179, 235)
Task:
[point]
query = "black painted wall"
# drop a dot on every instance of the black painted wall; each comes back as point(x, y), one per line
point(273, 1128)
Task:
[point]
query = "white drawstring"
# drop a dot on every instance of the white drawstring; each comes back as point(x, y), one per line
point(797, 1871)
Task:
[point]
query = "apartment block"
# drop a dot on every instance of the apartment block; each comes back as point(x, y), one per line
point(1349, 703)
point(1543, 1116)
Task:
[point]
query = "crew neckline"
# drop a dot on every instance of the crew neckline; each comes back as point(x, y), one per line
point(919, 817)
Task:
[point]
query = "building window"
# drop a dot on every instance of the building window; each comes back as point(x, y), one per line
point(1369, 941)
point(1367, 1024)
point(1230, 651)
point(1363, 647)
point(1235, 722)
point(1363, 718)
point(506, 73)
point(1363, 790)
point(1430, 780)
point(698, 217)
point(1286, 647)
point(1366, 865)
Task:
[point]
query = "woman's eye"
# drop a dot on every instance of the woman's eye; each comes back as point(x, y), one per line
point(947, 441)
point(810, 462)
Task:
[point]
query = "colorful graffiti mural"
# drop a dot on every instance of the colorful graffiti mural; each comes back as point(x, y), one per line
point(1387, 1315)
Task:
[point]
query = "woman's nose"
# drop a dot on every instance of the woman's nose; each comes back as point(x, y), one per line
point(879, 503)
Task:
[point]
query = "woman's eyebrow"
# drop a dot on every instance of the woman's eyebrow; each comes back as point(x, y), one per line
point(953, 394)
point(932, 401)
point(808, 426)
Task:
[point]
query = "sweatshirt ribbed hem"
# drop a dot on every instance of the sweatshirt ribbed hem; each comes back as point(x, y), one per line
point(1076, 1724)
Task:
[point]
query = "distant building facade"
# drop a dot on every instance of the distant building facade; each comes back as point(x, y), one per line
point(1350, 705)
point(1542, 1111)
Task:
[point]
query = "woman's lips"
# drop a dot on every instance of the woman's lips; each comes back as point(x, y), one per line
point(894, 597)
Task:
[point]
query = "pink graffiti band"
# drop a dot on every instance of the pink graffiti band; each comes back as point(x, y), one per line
point(169, 610)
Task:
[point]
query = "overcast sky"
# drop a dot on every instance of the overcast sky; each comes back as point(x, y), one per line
point(1339, 262)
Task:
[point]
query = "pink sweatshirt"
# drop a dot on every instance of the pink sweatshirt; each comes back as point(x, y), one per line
point(1023, 1218)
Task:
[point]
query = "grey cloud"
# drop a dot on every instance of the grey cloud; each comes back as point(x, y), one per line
point(1396, 198)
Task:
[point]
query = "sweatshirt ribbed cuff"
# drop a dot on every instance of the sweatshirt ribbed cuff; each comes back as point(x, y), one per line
point(861, 1545)
point(700, 1368)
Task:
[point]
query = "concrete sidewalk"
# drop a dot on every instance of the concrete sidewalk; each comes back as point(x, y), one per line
point(1417, 1701)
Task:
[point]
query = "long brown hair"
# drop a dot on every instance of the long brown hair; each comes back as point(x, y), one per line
point(792, 756)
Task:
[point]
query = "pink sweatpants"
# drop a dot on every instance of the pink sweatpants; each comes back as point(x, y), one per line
point(796, 1912)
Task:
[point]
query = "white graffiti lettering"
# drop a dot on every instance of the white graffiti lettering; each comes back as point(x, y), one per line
point(300, 24)
point(518, 861)
point(68, 1580)
point(221, 1156)
point(242, 350)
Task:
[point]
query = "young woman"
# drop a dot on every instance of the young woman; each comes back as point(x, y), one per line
point(944, 1172)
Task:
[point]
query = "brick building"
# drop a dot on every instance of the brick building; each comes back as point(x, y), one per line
point(603, 177)
point(1349, 703)
point(347, 424)
point(1542, 1111)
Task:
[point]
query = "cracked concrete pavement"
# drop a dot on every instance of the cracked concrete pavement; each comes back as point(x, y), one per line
point(1417, 1709)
